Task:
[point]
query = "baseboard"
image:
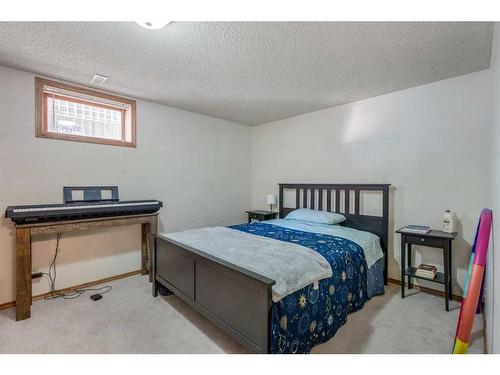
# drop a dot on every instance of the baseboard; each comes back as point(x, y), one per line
point(426, 290)
point(7, 305)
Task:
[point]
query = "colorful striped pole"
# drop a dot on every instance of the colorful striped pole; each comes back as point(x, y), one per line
point(474, 283)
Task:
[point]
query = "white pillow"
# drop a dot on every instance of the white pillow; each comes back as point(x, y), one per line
point(314, 216)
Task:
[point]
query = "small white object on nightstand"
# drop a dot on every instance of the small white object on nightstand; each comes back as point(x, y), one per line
point(449, 222)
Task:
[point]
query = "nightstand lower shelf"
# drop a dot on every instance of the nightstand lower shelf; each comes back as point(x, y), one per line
point(411, 271)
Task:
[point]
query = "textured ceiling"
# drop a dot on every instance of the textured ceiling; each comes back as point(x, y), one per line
point(249, 72)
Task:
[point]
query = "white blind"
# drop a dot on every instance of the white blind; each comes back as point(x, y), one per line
point(90, 98)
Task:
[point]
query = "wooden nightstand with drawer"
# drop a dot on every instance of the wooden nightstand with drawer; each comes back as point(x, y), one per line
point(437, 239)
point(261, 215)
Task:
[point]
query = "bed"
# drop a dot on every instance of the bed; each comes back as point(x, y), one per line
point(259, 311)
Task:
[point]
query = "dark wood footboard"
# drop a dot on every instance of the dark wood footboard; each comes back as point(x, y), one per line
point(235, 299)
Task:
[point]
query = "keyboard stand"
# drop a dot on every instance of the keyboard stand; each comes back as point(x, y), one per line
point(24, 232)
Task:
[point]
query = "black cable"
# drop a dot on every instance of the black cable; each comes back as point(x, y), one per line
point(70, 294)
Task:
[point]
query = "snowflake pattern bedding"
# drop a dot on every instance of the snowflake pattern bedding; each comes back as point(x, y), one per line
point(313, 314)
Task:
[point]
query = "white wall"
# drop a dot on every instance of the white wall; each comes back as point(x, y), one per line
point(197, 165)
point(430, 142)
point(493, 278)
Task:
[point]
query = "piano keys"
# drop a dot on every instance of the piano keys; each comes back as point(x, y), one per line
point(28, 214)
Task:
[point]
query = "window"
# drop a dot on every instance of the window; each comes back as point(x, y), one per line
point(78, 114)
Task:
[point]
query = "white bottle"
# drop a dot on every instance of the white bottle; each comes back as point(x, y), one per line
point(448, 222)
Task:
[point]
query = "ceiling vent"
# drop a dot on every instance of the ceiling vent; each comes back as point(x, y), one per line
point(98, 80)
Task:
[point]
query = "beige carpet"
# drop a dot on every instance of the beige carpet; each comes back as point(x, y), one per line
point(129, 320)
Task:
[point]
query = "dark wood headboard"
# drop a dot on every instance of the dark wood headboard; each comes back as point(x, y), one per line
point(326, 197)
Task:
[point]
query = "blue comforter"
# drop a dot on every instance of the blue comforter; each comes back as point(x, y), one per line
point(311, 316)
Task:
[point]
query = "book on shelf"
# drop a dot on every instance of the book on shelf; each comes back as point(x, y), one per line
point(417, 229)
point(426, 270)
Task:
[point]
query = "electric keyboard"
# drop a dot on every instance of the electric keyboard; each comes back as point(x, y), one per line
point(80, 210)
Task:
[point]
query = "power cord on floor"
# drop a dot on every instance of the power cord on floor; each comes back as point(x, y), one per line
point(68, 294)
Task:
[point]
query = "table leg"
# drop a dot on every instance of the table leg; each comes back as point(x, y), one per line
point(410, 284)
point(152, 246)
point(23, 273)
point(152, 274)
point(450, 268)
point(446, 252)
point(403, 262)
point(145, 238)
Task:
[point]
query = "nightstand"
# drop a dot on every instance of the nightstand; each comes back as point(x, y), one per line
point(437, 239)
point(261, 215)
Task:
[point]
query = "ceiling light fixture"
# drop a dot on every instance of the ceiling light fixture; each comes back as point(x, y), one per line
point(152, 25)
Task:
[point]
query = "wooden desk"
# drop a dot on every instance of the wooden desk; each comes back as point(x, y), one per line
point(149, 228)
